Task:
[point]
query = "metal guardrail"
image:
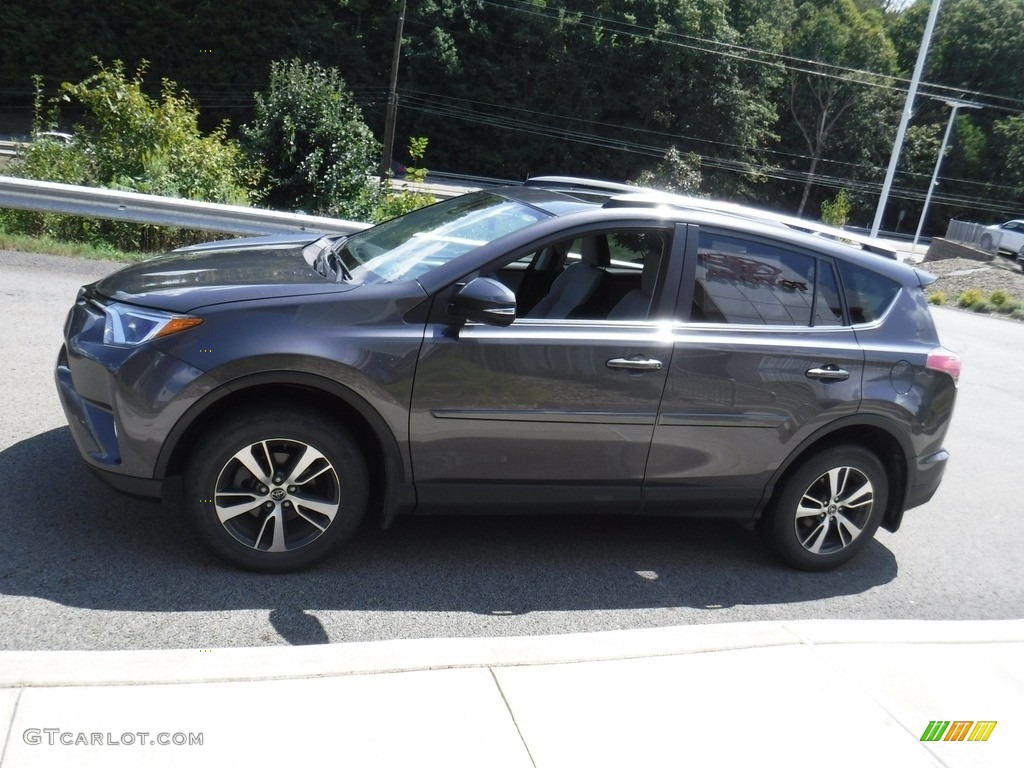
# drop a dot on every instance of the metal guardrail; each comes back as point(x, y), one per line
point(437, 190)
point(975, 235)
point(50, 197)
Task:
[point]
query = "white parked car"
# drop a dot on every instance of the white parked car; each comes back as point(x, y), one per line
point(1008, 237)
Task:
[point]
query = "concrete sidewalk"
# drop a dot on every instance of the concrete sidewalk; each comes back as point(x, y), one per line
point(805, 693)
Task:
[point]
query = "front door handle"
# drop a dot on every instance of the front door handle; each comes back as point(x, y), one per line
point(637, 363)
point(828, 373)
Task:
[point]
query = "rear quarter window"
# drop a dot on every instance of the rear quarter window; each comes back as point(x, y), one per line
point(868, 294)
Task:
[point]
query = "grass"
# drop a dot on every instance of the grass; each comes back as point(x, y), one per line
point(49, 245)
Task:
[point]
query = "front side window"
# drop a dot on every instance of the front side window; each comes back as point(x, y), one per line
point(603, 275)
point(410, 246)
point(749, 282)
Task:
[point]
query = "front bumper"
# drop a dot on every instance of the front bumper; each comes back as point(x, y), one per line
point(121, 402)
point(95, 433)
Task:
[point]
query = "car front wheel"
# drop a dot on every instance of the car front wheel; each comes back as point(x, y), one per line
point(986, 241)
point(828, 510)
point(276, 490)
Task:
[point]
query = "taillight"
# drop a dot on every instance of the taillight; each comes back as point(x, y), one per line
point(941, 359)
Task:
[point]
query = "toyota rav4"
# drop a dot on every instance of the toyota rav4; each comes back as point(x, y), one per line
point(559, 346)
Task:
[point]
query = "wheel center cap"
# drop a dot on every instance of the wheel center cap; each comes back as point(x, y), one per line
point(832, 509)
point(278, 494)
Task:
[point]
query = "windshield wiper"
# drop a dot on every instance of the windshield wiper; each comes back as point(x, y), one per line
point(329, 263)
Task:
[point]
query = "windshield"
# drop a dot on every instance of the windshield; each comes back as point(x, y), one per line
point(410, 246)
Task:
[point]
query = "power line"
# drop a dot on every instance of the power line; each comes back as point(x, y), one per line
point(504, 122)
point(498, 115)
point(758, 56)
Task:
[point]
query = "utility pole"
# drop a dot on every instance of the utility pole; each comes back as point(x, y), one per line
point(908, 110)
point(938, 163)
point(389, 125)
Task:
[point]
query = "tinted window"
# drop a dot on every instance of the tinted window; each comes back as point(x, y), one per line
point(828, 309)
point(602, 275)
point(868, 294)
point(754, 283)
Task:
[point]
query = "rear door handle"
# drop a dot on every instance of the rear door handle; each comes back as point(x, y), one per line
point(828, 373)
point(634, 364)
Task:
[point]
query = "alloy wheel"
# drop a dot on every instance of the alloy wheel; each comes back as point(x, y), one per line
point(834, 510)
point(277, 495)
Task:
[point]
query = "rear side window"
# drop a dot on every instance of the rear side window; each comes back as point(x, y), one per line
point(868, 294)
point(749, 282)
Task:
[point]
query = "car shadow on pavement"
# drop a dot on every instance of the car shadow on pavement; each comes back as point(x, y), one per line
point(69, 539)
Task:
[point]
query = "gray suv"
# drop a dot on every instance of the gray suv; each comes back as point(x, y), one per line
point(559, 346)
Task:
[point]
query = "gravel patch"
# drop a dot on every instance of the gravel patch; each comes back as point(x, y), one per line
point(958, 275)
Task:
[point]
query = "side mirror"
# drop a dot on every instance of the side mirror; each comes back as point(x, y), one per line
point(484, 300)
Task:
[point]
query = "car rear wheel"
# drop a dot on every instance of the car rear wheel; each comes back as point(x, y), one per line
point(276, 490)
point(828, 510)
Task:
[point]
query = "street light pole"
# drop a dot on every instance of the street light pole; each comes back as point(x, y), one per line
point(938, 163)
point(908, 109)
point(389, 124)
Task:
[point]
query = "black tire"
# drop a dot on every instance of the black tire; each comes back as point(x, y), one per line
point(276, 490)
point(986, 241)
point(811, 523)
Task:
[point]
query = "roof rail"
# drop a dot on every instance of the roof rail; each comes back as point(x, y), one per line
point(649, 198)
point(574, 182)
point(624, 195)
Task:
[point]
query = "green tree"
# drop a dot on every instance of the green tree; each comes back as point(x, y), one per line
point(218, 50)
point(976, 54)
point(1009, 143)
point(596, 88)
point(831, 106)
point(675, 173)
point(315, 151)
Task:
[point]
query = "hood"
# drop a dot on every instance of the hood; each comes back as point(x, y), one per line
point(183, 281)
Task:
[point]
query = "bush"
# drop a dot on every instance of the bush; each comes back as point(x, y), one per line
point(392, 203)
point(970, 298)
point(141, 144)
point(998, 298)
point(313, 150)
point(128, 141)
point(938, 298)
point(836, 212)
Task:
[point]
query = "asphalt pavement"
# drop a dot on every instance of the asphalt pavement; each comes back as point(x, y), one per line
point(735, 676)
point(83, 567)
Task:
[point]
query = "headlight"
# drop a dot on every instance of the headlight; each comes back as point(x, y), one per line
point(130, 325)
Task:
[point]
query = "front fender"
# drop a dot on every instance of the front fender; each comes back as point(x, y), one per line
point(382, 410)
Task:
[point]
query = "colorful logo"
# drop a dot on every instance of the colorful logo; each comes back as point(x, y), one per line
point(958, 730)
